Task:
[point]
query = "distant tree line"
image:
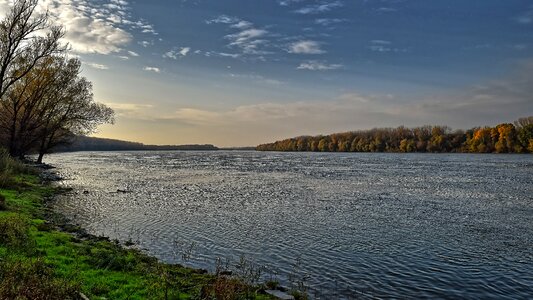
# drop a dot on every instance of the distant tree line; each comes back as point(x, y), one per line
point(503, 138)
point(85, 143)
point(44, 101)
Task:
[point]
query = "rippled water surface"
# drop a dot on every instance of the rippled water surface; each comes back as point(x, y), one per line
point(366, 225)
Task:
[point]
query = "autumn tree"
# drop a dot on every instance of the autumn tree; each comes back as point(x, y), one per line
point(525, 137)
point(70, 110)
point(506, 136)
point(48, 106)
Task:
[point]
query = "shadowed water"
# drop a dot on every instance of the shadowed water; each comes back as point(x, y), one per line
point(365, 225)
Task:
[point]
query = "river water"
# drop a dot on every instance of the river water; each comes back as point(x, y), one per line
point(345, 225)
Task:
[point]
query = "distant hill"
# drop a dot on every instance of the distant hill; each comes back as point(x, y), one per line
point(84, 143)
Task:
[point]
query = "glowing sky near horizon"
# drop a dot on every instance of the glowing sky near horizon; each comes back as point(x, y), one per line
point(244, 72)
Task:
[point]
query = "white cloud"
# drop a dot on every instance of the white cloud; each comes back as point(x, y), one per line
point(306, 47)
point(248, 40)
point(184, 51)
point(132, 53)
point(319, 8)
point(91, 27)
point(223, 19)
point(97, 66)
point(152, 69)
point(242, 25)
point(314, 65)
point(175, 54)
point(146, 44)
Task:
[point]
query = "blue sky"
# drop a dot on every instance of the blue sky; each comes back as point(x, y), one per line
point(243, 72)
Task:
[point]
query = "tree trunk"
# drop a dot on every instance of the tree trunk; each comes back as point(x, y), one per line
point(40, 158)
point(12, 139)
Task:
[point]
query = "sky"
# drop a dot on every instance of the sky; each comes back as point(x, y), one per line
point(245, 72)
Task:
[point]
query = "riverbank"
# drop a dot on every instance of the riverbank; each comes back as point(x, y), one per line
point(42, 257)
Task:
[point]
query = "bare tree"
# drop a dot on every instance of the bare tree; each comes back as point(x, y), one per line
point(21, 47)
point(523, 122)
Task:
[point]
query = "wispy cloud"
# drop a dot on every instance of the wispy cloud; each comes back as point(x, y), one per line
point(386, 9)
point(97, 66)
point(526, 17)
point(130, 110)
point(383, 46)
point(132, 53)
point(152, 69)
point(249, 39)
point(314, 65)
point(223, 19)
point(218, 54)
point(319, 8)
point(177, 53)
point(288, 2)
point(242, 25)
point(305, 47)
point(256, 78)
point(329, 21)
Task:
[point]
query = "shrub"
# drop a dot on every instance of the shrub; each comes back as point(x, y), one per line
point(14, 231)
point(112, 258)
point(9, 168)
point(33, 279)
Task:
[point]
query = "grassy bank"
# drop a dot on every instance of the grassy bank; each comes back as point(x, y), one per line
point(45, 259)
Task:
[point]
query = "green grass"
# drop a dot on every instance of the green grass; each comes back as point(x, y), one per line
point(38, 261)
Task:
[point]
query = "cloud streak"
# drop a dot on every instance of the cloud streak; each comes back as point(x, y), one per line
point(319, 8)
point(314, 65)
point(305, 47)
point(97, 66)
point(152, 69)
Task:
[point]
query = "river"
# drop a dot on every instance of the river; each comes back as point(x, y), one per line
point(345, 225)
